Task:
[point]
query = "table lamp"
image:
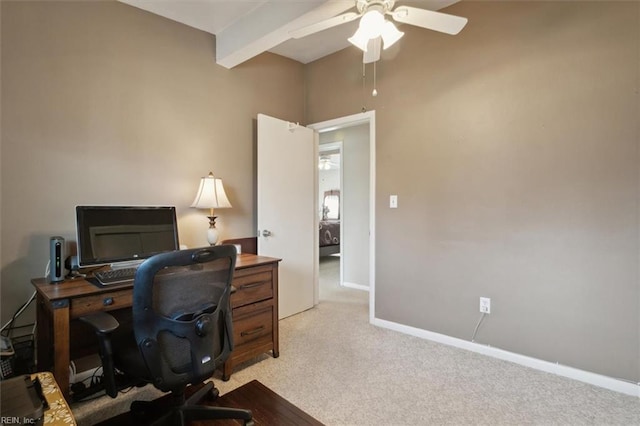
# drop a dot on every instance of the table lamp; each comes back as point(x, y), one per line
point(211, 196)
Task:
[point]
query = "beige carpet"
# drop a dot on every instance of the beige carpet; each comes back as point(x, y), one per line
point(343, 371)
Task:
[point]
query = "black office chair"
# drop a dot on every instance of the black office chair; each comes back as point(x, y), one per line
point(181, 332)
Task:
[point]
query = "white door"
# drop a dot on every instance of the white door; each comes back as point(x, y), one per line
point(286, 172)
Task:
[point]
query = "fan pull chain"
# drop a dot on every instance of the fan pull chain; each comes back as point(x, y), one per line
point(375, 91)
point(364, 108)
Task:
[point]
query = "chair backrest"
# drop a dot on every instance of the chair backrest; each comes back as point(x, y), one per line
point(181, 314)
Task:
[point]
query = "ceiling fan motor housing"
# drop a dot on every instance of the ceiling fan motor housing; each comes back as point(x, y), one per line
point(383, 6)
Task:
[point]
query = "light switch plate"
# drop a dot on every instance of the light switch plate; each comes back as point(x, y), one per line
point(393, 201)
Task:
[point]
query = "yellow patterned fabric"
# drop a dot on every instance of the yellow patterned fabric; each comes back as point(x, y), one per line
point(59, 412)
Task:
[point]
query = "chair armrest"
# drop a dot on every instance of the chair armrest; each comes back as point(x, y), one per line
point(102, 322)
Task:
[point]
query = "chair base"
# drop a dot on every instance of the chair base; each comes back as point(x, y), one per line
point(182, 411)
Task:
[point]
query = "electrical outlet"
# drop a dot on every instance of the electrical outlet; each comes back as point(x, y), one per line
point(485, 305)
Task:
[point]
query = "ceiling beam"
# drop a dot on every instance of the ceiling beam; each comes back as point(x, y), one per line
point(269, 25)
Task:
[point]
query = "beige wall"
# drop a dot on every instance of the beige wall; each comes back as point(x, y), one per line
point(513, 148)
point(106, 104)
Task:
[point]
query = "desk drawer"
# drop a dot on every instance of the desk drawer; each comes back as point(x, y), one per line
point(253, 328)
point(100, 302)
point(252, 288)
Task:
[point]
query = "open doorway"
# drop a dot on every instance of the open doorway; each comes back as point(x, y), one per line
point(330, 268)
point(350, 265)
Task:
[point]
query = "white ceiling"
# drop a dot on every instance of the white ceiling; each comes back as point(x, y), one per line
point(247, 28)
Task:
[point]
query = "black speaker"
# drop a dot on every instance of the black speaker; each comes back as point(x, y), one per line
point(56, 254)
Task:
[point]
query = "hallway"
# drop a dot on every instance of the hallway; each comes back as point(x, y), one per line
point(330, 289)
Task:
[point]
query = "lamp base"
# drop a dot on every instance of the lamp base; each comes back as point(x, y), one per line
point(212, 236)
point(212, 232)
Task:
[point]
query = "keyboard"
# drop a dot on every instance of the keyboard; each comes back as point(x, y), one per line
point(113, 276)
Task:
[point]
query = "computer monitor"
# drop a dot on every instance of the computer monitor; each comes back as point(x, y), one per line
point(115, 235)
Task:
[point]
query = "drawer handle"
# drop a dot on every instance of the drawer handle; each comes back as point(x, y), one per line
point(248, 286)
point(107, 301)
point(254, 331)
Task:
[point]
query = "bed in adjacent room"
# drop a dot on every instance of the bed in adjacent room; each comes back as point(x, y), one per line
point(329, 237)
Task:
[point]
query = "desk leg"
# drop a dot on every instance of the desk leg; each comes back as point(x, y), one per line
point(227, 369)
point(53, 332)
point(43, 335)
point(61, 356)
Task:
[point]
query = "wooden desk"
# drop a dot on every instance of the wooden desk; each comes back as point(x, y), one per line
point(254, 305)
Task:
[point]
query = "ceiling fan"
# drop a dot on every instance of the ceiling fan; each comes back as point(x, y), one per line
point(326, 163)
point(375, 31)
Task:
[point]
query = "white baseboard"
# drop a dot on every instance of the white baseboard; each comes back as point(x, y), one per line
point(355, 286)
point(595, 379)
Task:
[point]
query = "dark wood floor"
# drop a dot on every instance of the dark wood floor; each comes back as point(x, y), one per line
point(267, 407)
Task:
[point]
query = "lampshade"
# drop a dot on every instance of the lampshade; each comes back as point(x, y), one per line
point(211, 194)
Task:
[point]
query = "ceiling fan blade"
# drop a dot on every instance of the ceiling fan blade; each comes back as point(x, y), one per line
point(429, 19)
point(373, 51)
point(324, 25)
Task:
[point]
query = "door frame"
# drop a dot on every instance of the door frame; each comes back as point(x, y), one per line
point(339, 123)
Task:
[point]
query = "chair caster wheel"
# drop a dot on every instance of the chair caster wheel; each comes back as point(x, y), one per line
point(213, 394)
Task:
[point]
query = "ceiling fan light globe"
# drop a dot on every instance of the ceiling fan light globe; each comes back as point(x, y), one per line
point(372, 23)
point(390, 34)
point(360, 40)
